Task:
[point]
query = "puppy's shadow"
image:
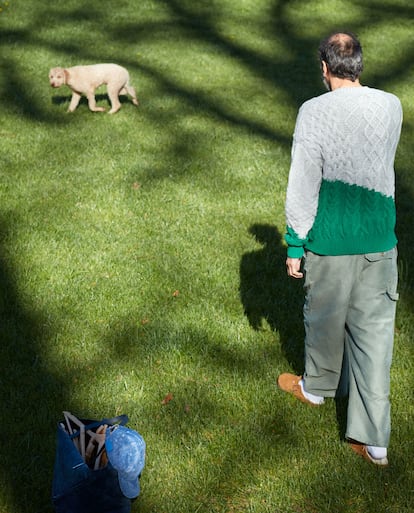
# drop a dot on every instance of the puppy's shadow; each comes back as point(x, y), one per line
point(100, 98)
point(269, 296)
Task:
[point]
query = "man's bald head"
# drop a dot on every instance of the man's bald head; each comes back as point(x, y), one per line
point(342, 53)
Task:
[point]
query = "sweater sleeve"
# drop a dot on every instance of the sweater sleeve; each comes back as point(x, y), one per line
point(304, 182)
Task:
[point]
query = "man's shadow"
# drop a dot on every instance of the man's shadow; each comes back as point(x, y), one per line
point(269, 296)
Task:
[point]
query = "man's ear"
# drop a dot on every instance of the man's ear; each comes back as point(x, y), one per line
point(325, 68)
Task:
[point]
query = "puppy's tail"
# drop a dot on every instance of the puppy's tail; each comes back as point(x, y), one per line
point(129, 89)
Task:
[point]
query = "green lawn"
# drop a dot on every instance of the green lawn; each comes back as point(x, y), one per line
point(142, 254)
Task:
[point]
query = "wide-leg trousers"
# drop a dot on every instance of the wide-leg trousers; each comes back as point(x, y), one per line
point(349, 315)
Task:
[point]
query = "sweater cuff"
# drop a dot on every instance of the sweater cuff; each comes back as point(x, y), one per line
point(295, 244)
point(295, 251)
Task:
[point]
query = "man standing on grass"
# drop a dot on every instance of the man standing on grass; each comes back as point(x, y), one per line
point(340, 214)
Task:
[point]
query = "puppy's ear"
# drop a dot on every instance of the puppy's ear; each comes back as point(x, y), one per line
point(66, 75)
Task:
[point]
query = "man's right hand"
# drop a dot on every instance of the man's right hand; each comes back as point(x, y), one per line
point(293, 267)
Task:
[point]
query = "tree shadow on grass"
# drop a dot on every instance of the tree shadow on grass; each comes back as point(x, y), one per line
point(30, 396)
point(267, 294)
point(14, 95)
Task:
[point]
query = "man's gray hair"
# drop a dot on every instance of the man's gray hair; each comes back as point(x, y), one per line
point(342, 53)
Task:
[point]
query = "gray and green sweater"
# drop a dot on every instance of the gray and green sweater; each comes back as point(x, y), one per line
point(340, 195)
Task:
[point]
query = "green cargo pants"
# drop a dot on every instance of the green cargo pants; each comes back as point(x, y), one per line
point(349, 315)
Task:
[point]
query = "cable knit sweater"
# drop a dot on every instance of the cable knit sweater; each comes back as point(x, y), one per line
point(340, 195)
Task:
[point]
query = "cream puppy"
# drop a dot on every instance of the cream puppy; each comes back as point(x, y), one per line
point(85, 79)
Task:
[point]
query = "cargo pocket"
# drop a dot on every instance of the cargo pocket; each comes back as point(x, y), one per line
point(392, 284)
point(393, 279)
point(387, 274)
point(381, 255)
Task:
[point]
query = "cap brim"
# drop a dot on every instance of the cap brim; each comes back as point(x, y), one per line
point(129, 487)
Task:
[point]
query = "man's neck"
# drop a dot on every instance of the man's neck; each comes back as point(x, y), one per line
point(338, 83)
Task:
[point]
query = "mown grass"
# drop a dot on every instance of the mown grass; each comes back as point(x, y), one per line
point(141, 254)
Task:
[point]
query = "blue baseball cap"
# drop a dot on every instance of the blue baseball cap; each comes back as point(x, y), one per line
point(126, 453)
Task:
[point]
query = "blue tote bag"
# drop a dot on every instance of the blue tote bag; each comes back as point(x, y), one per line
point(77, 488)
